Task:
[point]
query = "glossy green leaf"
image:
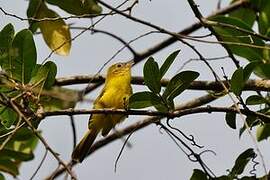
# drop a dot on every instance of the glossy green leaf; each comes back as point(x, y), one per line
point(32, 10)
point(78, 7)
point(245, 14)
point(241, 162)
point(151, 75)
point(27, 146)
point(255, 100)
point(263, 132)
point(168, 62)
point(22, 57)
point(249, 68)
point(232, 35)
point(45, 75)
point(23, 134)
point(7, 116)
point(230, 118)
point(250, 53)
point(6, 37)
point(198, 175)
point(144, 99)
point(251, 121)
point(264, 17)
point(16, 155)
point(179, 83)
point(237, 81)
point(9, 167)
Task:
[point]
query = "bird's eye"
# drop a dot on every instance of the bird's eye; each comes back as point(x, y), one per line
point(119, 65)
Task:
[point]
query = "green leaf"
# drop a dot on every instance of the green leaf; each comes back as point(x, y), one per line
point(233, 35)
point(23, 134)
point(249, 68)
point(16, 155)
point(241, 162)
point(247, 15)
point(78, 7)
point(231, 119)
point(151, 75)
point(45, 75)
point(250, 53)
point(27, 146)
point(251, 121)
point(6, 37)
point(237, 81)
point(198, 175)
point(144, 99)
point(168, 62)
point(264, 18)
point(263, 132)
point(179, 83)
point(255, 100)
point(32, 10)
point(22, 57)
point(7, 116)
point(9, 166)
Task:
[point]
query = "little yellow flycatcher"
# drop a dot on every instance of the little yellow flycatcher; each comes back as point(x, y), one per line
point(114, 95)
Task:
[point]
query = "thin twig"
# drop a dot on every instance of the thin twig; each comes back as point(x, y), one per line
point(121, 151)
point(73, 128)
point(35, 131)
point(198, 14)
point(40, 164)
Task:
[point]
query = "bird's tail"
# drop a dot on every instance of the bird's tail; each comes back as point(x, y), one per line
point(82, 149)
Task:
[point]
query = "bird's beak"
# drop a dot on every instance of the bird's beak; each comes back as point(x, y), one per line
point(130, 63)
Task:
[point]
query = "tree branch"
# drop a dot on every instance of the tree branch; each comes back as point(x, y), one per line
point(251, 85)
point(170, 115)
point(141, 124)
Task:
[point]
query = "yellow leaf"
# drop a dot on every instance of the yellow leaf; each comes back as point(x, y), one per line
point(55, 32)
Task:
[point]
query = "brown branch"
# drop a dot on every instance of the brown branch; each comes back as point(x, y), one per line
point(170, 115)
point(251, 85)
point(141, 124)
point(54, 18)
point(252, 33)
point(188, 30)
point(22, 114)
point(182, 110)
point(93, 30)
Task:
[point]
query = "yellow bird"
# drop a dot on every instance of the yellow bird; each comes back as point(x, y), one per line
point(115, 94)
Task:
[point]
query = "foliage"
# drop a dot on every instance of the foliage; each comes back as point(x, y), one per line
point(152, 78)
point(30, 86)
point(56, 32)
